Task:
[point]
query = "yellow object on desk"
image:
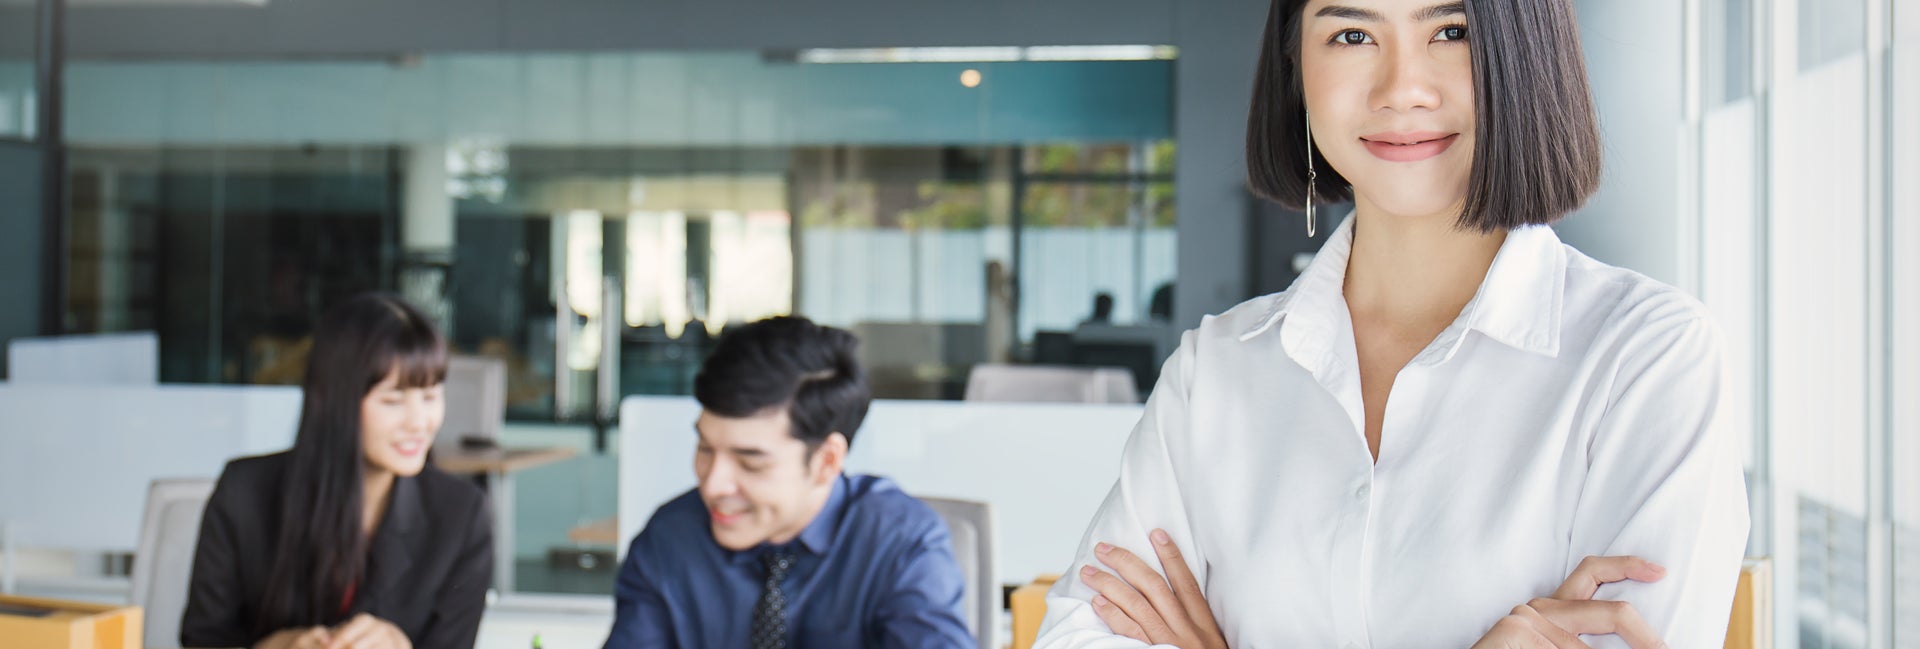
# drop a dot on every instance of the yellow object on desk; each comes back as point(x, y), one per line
point(1029, 605)
point(29, 623)
point(1751, 626)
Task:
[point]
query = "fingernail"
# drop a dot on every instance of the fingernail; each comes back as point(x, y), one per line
point(1102, 548)
point(1101, 601)
point(1088, 571)
point(1160, 537)
point(1657, 568)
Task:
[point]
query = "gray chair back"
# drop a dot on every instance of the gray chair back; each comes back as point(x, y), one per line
point(163, 564)
point(476, 400)
point(971, 525)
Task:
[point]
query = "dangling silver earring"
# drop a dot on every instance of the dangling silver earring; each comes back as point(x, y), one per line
point(1311, 176)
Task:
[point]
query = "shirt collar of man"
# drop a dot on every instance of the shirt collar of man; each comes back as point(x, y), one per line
point(818, 536)
point(1519, 302)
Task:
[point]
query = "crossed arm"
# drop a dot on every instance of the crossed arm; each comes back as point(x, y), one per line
point(1136, 602)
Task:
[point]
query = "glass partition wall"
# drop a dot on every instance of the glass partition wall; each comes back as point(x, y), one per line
point(596, 220)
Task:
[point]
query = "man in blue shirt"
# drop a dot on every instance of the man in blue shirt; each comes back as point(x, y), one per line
point(777, 548)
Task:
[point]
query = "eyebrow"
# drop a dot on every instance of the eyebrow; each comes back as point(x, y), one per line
point(1458, 8)
point(1443, 10)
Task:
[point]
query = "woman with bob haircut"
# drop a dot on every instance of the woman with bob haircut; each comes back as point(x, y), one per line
point(1452, 430)
point(351, 540)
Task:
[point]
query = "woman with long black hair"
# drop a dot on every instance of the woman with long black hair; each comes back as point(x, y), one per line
point(350, 540)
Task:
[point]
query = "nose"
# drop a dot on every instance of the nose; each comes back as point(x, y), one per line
point(418, 416)
point(1405, 80)
point(717, 482)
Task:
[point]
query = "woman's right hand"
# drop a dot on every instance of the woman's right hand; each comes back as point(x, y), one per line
point(308, 638)
point(1557, 622)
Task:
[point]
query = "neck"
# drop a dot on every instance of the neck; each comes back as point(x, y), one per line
point(376, 485)
point(816, 503)
point(1414, 268)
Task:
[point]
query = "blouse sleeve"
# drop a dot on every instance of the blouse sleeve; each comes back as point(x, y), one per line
point(1145, 497)
point(1666, 485)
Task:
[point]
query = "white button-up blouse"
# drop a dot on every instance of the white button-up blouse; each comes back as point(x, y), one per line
point(1564, 413)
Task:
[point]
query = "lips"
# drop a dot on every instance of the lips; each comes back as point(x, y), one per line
point(720, 518)
point(1409, 146)
point(410, 448)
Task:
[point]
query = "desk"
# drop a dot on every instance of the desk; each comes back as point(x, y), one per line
point(498, 465)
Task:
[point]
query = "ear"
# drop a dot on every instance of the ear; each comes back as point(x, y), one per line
point(830, 459)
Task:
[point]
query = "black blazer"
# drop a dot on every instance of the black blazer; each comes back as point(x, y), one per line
point(428, 569)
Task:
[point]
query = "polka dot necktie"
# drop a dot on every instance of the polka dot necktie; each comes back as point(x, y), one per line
point(770, 615)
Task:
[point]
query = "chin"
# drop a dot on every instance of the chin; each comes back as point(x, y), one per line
point(1418, 199)
point(733, 542)
point(407, 469)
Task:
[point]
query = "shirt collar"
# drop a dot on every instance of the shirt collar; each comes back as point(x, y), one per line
point(1518, 303)
point(819, 534)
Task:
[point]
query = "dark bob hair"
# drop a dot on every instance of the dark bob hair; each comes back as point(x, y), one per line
point(789, 363)
point(1536, 154)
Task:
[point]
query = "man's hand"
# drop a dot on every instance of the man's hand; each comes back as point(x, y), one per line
point(1141, 605)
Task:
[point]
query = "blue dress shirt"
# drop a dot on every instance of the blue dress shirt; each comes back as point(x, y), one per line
point(875, 569)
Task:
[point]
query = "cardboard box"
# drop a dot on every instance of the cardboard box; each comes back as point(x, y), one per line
point(28, 623)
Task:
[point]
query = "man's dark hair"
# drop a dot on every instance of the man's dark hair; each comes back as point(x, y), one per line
point(1536, 154)
point(788, 363)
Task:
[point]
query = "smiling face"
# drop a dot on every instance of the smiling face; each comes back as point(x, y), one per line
point(1389, 89)
point(758, 481)
point(397, 425)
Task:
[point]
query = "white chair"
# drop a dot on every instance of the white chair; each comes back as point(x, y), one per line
point(1051, 384)
point(971, 525)
point(163, 564)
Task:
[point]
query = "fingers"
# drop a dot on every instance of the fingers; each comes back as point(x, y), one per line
point(1148, 582)
point(1558, 637)
point(1186, 588)
point(1599, 618)
point(314, 638)
point(1136, 606)
point(1594, 571)
point(1117, 619)
point(357, 632)
point(1514, 632)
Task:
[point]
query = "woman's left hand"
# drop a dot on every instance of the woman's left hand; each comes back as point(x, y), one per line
point(369, 632)
point(1140, 604)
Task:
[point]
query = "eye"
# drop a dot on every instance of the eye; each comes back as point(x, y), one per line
point(1451, 33)
point(1352, 37)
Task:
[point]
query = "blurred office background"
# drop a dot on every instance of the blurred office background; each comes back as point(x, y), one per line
point(588, 193)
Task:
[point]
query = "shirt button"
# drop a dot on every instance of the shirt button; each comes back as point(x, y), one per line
point(1362, 492)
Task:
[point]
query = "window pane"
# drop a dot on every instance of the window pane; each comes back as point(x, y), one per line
point(17, 81)
point(1904, 287)
point(1817, 406)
